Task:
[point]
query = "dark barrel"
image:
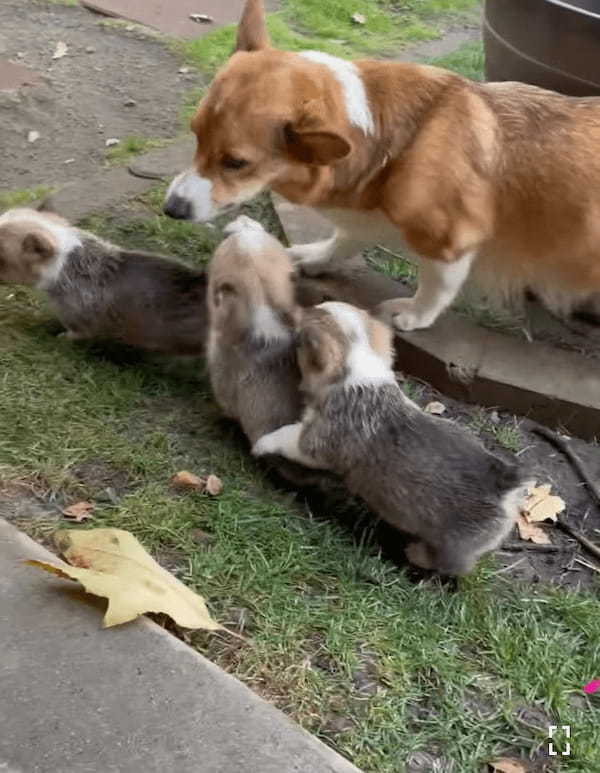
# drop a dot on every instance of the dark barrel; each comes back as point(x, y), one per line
point(548, 43)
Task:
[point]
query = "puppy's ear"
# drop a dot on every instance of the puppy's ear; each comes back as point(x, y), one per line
point(310, 341)
point(39, 245)
point(223, 292)
point(252, 32)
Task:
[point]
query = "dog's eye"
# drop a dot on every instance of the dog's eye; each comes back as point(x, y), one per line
point(230, 162)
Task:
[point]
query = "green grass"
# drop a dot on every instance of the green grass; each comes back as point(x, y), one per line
point(327, 25)
point(505, 433)
point(23, 197)
point(129, 146)
point(468, 60)
point(450, 671)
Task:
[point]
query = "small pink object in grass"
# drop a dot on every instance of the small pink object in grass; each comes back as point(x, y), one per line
point(592, 687)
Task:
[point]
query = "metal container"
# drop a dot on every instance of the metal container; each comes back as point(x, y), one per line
point(548, 43)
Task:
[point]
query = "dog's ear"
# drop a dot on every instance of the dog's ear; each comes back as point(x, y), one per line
point(252, 32)
point(314, 146)
point(39, 245)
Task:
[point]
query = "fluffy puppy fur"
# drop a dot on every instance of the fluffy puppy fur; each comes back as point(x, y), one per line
point(99, 290)
point(424, 475)
point(251, 343)
point(252, 312)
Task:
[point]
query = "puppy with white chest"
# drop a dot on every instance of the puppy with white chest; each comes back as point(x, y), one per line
point(252, 311)
point(425, 475)
point(251, 349)
point(100, 291)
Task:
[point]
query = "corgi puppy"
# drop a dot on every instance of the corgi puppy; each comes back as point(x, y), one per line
point(424, 475)
point(251, 348)
point(252, 310)
point(101, 291)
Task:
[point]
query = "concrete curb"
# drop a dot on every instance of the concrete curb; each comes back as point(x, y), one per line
point(461, 359)
point(133, 698)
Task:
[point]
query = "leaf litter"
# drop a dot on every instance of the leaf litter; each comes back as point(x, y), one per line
point(539, 506)
point(112, 563)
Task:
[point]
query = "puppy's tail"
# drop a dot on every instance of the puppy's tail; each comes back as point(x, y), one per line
point(511, 484)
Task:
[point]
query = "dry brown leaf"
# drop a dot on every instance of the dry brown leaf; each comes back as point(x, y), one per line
point(506, 765)
point(111, 563)
point(60, 50)
point(80, 511)
point(435, 408)
point(214, 485)
point(531, 532)
point(540, 505)
point(185, 479)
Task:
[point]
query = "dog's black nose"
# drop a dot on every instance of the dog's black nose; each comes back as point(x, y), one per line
point(178, 208)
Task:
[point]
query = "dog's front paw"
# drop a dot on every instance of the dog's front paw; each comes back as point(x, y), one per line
point(404, 314)
point(265, 445)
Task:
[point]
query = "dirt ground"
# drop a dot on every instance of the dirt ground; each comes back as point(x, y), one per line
point(545, 464)
point(85, 97)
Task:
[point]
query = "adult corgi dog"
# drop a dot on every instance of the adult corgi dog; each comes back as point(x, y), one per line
point(499, 182)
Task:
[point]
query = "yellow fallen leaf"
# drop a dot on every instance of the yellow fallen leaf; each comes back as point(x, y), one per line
point(111, 563)
point(540, 505)
point(531, 532)
point(185, 479)
point(80, 511)
point(214, 485)
point(506, 765)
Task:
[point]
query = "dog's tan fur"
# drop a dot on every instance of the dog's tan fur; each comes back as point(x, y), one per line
point(505, 174)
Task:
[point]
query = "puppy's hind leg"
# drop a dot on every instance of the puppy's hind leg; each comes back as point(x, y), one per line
point(420, 554)
point(73, 335)
point(447, 560)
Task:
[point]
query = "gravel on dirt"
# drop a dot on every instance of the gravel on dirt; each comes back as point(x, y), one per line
point(109, 84)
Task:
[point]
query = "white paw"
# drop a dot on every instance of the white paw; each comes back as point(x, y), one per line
point(405, 314)
point(71, 335)
point(267, 444)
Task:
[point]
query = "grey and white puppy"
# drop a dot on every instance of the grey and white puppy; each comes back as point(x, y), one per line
point(99, 290)
point(424, 475)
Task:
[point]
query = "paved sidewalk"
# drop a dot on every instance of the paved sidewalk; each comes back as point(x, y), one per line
point(76, 698)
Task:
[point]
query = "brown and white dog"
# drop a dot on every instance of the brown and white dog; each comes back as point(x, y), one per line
point(101, 291)
point(424, 475)
point(497, 180)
